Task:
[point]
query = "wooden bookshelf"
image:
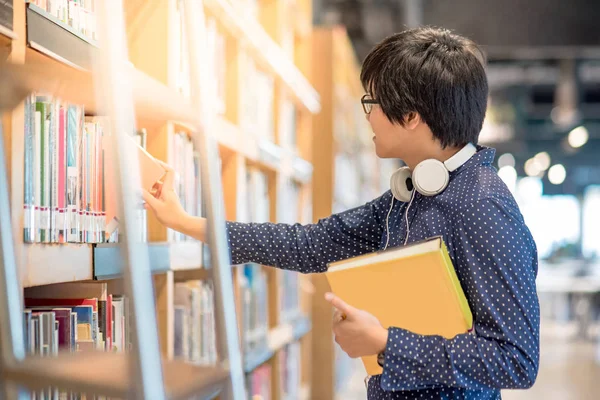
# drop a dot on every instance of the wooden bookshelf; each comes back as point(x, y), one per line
point(344, 140)
point(6, 35)
point(57, 263)
point(47, 56)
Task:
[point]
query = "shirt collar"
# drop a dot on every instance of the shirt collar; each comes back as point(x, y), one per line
point(483, 157)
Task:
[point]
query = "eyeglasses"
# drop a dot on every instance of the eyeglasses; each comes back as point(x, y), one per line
point(367, 103)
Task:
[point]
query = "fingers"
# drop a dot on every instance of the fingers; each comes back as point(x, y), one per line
point(150, 200)
point(169, 176)
point(156, 190)
point(166, 166)
point(338, 303)
point(338, 316)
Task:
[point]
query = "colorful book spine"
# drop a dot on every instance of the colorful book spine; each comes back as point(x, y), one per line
point(29, 225)
point(72, 155)
point(71, 325)
point(65, 189)
point(78, 14)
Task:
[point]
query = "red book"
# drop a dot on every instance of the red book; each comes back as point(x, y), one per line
point(61, 303)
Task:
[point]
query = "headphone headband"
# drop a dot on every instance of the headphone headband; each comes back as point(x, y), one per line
point(457, 160)
point(430, 177)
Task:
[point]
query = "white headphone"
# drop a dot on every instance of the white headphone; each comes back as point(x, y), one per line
point(430, 177)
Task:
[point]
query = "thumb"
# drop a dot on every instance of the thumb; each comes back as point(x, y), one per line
point(169, 175)
point(341, 305)
point(149, 199)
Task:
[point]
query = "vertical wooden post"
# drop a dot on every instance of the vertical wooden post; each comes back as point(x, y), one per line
point(323, 376)
point(165, 314)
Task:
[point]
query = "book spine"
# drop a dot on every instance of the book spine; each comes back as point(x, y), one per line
point(80, 176)
point(28, 200)
point(62, 177)
point(37, 170)
point(71, 159)
point(41, 109)
point(53, 168)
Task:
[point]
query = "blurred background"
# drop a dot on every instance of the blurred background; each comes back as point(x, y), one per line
point(544, 121)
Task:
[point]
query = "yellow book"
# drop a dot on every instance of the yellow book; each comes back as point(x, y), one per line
point(412, 287)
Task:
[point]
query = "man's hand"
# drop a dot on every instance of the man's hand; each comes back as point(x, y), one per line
point(164, 202)
point(357, 332)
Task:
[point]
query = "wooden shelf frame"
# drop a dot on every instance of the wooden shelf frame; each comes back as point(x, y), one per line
point(158, 104)
point(57, 263)
point(7, 33)
point(267, 52)
point(109, 375)
point(336, 77)
point(164, 257)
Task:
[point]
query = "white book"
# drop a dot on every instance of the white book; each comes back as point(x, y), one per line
point(37, 176)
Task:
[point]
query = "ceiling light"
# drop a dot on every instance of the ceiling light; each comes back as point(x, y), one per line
point(578, 137)
point(506, 160)
point(530, 188)
point(557, 174)
point(542, 160)
point(509, 175)
point(532, 168)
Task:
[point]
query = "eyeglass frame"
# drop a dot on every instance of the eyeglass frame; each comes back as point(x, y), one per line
point(367, 103)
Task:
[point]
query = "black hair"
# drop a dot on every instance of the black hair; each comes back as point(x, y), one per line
point(435, 73)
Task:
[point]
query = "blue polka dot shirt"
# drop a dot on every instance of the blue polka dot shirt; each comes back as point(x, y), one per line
point(495, 259)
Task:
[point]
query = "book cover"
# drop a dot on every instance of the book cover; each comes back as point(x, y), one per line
point(412, 287)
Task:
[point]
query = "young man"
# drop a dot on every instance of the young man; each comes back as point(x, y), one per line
point(426, 101)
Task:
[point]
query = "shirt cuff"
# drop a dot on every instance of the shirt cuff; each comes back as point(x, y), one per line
point(237, 233)
point(405, 365)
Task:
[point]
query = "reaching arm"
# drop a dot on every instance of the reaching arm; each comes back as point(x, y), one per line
point(497, 260)
point(308, 248)
point(303, 248)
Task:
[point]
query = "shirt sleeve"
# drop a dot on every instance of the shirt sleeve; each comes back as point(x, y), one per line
point(496, 261)
point(308, 248)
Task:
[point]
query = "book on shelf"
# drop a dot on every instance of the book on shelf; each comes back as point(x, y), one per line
point(69, 188)
point(74, 317)
point(288, 124)
point(215, 54)
point(80, 15)
point(6, 14)
point(256, 100)
point(185, 161)
point(289, 212)
point(255, 308)
point(194, 323)
point(413, 287)
point(258, 383)
point(289, 371)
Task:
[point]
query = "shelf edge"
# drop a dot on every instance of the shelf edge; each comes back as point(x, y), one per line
point(9, 33)
point(50, 258)
point(38, 47)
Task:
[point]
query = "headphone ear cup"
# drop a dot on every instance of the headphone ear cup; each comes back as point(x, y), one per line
point(401, 184)
point(430, 177)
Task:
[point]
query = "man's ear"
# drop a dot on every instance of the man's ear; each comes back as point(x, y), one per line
point(412, 120)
